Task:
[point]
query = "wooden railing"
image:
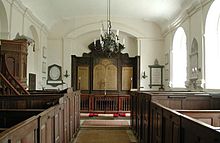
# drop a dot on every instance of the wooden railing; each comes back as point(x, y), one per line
point(6, 87)
point(7, 76)
point(105, 103)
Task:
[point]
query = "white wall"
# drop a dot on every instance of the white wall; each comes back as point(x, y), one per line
point(150, 50)
point(193, 23)
point(72, 37)
point(20, 19)
point(3, 22)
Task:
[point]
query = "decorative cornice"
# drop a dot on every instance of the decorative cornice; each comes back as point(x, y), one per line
point(185, 14)
point(26, 12)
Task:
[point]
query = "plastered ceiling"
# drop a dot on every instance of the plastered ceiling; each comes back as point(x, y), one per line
point(159, 11)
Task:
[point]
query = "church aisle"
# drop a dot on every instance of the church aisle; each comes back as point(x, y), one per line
point(105, 135)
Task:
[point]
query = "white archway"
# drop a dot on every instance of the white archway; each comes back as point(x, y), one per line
point(212, 47)
point(179, 59)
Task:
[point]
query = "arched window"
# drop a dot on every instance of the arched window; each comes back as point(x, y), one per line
point(212, 47)
point(179, 59)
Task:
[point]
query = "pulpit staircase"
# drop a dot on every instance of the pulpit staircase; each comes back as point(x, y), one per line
point(9, 85)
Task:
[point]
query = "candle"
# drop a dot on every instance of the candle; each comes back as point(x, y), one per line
point(123, 42)
point(94, 42)
point(117, 33)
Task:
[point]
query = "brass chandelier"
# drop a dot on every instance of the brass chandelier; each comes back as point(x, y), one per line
point(109, 41)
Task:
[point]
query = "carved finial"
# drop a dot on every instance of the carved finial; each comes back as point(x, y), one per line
point(156, 62)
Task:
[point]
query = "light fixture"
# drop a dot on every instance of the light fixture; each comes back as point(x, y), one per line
point(66, 74)
point(108, 42)
point(144, 75)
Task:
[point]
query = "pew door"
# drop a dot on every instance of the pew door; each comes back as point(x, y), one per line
point(156, 124)
point(171, 127)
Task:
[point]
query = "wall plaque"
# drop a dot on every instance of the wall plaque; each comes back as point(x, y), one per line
point(156, 75)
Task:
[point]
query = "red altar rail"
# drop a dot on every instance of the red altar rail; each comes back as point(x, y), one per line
point(105, 103)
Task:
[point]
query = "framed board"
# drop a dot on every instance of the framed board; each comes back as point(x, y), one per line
point(83, 78)
point(156, 75)
point(127, 75)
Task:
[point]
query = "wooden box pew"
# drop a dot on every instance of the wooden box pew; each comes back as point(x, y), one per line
point(53, 122)
point(210, 117)
point(140, 109)
point(133, 117)
point(11, 117)
point(195, 131)
point(74, 112)
point(170, 126)
point(62, 120)
point(48, 91)
point(23, 132)
point(43, 101)
point(183, 100)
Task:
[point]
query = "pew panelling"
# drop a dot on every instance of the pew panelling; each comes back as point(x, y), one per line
point(165, 123)
point(24, 132)
point(66, 120)
point(211, 117)
point(46, 126)
point(77, 111)
point(198, 132)
point(29, 102)
point(146, 118)
point(197, 102)
point(11, 117)
point(58, 123)
point(171, 126)
point(155, 124)
point(140, 117)
point(53, 123)
point(134, 111)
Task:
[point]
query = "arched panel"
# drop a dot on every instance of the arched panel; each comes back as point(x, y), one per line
point(11, 65)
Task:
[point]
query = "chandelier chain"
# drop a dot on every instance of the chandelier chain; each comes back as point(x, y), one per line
point(109, 41)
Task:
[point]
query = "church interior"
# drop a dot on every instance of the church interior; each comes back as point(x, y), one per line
point(107, 71)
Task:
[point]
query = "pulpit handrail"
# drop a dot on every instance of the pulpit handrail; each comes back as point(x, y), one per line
point(6, 82)
point(7, 74)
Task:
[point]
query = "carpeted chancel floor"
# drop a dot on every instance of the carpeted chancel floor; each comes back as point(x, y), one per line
point(105, 129)
point(105, 135)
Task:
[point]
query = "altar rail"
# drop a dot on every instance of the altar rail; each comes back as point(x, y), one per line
point(105, 103)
